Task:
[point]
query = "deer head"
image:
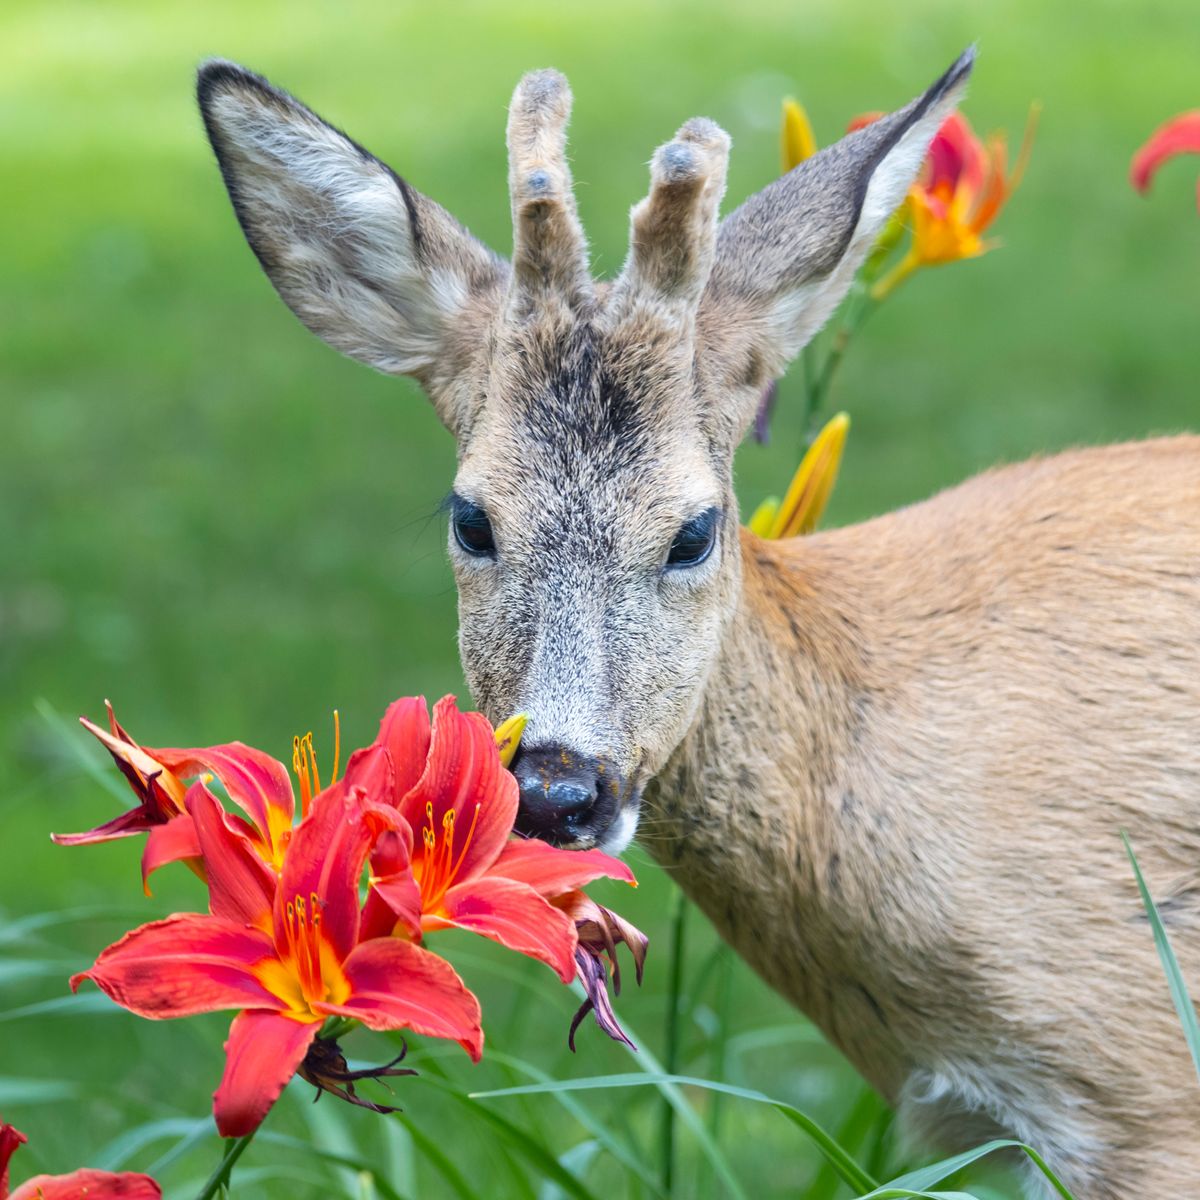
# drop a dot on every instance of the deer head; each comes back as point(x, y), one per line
point(594, 529)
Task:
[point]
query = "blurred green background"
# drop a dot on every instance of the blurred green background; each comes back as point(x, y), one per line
point(229, 530)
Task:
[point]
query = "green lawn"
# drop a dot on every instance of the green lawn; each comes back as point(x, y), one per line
point(229, 530)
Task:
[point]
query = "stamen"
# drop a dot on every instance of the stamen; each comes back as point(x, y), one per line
point(337, 746)
point(312, 754)
point(300, 766)
point(467, 842)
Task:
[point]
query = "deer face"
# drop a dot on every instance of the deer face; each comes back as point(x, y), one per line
point(593, 525)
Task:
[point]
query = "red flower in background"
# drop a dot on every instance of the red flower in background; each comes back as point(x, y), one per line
point(289, 959)
point(95, 1185)
point(1180, 135)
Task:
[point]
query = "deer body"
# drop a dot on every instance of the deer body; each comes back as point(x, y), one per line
point(902, 798)
point(890, 762)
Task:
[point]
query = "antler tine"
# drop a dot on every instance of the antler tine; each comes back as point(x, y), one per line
point(549, 248)
point(673, 230)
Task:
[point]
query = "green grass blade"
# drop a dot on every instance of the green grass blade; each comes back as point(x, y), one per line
point(1184, 1007)
point(73, 739)
point(672, 1037)
point(596, 1128)
point(84, 1004)
point(915, 1182)
point(438, 1158)
point(16, 1092)
point(115, 1154)
point(845, 1166)
point(352, 1161)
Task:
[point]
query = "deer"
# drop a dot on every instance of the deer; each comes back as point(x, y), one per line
point(890, 762)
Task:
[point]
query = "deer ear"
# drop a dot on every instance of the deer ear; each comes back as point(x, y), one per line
point(788, 255)
point(370, 265)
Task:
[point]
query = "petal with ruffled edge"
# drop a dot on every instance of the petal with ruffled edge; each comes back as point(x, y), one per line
point(514, 915)
point(396, 985)
point(263, 1052)
point(404, 732)
point(241, 886)
point(552, 872)
point(184, 965)
point(95, 1185)
point(176, 841)
point(326, 856)
point(463, 775)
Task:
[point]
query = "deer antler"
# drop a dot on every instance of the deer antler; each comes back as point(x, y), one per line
point(549, 248)
point(673, 230)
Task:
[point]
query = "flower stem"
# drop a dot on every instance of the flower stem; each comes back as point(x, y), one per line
point(884, 287)
point(863, 303)
point(219, 1179)
point(672, 1038)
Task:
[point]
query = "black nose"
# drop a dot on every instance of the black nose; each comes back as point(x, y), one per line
point(563, 795)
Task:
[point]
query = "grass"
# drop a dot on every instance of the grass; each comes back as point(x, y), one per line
point(229, 530)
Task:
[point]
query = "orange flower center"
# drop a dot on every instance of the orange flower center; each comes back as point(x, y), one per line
point(307, 971)
point(439, 865)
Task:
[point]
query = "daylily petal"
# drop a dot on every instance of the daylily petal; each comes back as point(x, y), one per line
point(176, 841)
point(241, 886)
point(404, 732)
point(463, 775)
point(10, 1141)
point(135, 821)
point(325, 858)
point(256, 783)
point(95, 1185)
point(150, 777)
point(396, 985)
point(797, 141)
point(184, 965)
point(1180, 135)
point(514, 915)
point(551, 872)
point(394, 894)
point(263, 1052)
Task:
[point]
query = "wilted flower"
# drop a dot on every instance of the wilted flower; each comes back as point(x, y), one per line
point(600, 932)
point(325, 1067)
point(810, 489)
point(95, 1185)
point(1180, 135)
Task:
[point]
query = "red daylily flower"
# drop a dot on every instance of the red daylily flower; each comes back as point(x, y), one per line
point(95, 1185)
point(964, 185)
point(255, 782)
point(287, 957)
point(461, 869)
point(1180, 135)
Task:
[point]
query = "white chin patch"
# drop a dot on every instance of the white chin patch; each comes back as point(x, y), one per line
point(621, 832)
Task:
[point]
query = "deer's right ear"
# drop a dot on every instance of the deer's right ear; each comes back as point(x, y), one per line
point(370, 265)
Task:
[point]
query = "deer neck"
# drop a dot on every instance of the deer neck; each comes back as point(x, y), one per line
point(757, 815)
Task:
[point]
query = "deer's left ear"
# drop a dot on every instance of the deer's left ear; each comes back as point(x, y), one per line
point(788, 255)
point(368, 263)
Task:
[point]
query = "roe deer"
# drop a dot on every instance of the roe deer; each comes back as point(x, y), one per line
point(890, 762)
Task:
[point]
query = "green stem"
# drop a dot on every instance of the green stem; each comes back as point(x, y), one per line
point(817, 390)
point(234, 1149)
point(671, 1038)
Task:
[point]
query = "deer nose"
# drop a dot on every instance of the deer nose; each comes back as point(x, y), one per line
point(560, 795)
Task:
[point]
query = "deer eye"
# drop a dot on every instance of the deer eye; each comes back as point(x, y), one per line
point(472, 529)
point(694, 541)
